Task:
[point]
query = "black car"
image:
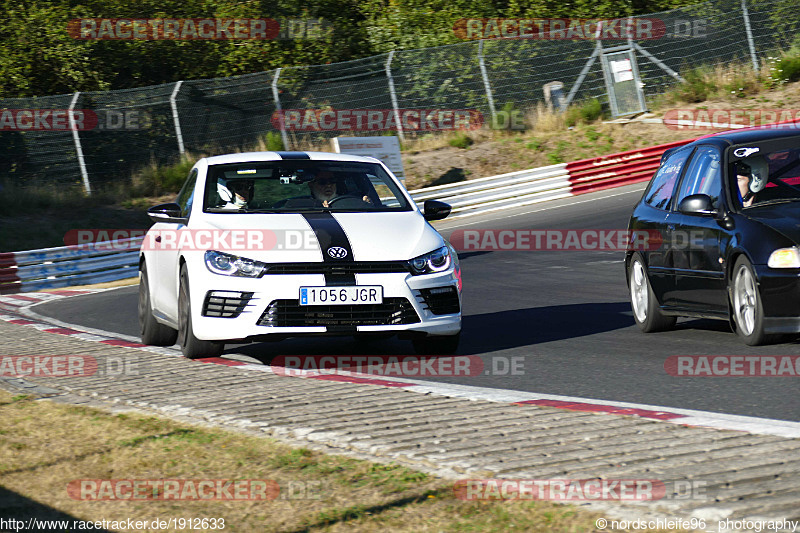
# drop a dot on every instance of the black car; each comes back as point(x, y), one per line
point(721, 221)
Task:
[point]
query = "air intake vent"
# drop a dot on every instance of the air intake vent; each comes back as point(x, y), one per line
point(441, 300)
point(225, 304)
point(289, 313)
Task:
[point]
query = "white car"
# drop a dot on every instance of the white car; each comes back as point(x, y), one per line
point(271, 245)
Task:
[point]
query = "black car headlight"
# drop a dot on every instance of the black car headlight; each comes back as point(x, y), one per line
point(784, 258)
point(435, 261)
point(231, 265)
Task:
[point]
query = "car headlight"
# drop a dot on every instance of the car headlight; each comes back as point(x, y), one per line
point(784, 258)
point(435, 261)
point(231, 265)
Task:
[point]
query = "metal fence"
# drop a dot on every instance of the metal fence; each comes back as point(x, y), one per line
point(158, 123)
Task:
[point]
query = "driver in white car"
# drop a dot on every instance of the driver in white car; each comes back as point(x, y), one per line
point(236, 193)
point(324, 188)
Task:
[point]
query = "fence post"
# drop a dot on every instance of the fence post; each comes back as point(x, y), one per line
point(393, 95)
point(175, 119)
point(78, 148)
point(486, 81)
point(749, 33)
point(276, 96)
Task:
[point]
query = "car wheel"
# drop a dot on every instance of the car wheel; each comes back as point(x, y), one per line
point(437, 345)
point(748, 313)
point(648, 316)
point(191, 346)
point(151, 331)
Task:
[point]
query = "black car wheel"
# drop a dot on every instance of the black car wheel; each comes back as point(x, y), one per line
point(191, 346)
point(648, 316)
point(152, 332)
point(748, 313)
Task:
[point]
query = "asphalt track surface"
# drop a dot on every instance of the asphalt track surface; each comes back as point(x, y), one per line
point(566, 314)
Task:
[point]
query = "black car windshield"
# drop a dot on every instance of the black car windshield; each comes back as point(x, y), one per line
point(768, 174)
point(301, 185)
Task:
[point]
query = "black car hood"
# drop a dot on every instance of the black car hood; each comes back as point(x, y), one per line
point(783, 218)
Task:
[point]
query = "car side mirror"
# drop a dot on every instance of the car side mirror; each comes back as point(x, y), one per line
point(435, 210)
point(166, 213)
point(697, 204)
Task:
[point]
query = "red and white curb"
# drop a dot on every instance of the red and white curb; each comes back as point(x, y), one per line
point(16, 309)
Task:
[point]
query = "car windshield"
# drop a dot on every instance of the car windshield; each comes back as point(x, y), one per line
point(767, 174)
point(303, 185)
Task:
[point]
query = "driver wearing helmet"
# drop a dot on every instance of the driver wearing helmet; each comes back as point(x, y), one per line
point(237, 193)
point(751, 178)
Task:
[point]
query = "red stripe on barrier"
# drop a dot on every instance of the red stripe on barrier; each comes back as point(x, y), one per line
point(66, 292)
point(21, 321)
point(599, 408)
point(220, 361)
point(7, 259)
point(611, 184)
point(25, 298)
point(623, 157)
point(120, 342)
point(369, 381)
point(616, 170)
point(651, 163)
point(63, 331)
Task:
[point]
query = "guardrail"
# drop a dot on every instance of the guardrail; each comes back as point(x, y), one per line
point(83, 264)
point(517, 189)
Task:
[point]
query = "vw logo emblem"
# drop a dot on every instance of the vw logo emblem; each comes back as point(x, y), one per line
point(337, 252)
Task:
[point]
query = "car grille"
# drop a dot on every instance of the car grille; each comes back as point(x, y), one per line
point(440, 300)
point(225, 304)
point(356, 267)
point(289, 313)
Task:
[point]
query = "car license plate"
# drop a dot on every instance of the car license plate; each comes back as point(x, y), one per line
point(357, 294)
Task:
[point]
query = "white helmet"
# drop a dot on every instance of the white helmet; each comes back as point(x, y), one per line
point(759, 173)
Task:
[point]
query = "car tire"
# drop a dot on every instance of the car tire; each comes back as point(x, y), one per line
point(191, 346)
point(151, 331)
point(748, 312)
point(644, 305)
point(437, 345)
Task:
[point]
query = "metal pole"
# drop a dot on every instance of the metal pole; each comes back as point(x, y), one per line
point(175, 119)
point(276, 96)
point(486, 80)
point(581, 77)
point(393, 95)
point(749, 33)
point(78, 149)
point(658, 63)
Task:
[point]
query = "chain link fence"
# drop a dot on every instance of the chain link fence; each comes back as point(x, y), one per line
point(137, 127)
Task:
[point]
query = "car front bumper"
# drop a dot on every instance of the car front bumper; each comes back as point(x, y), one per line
point(780, 297)
point(286, 288)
